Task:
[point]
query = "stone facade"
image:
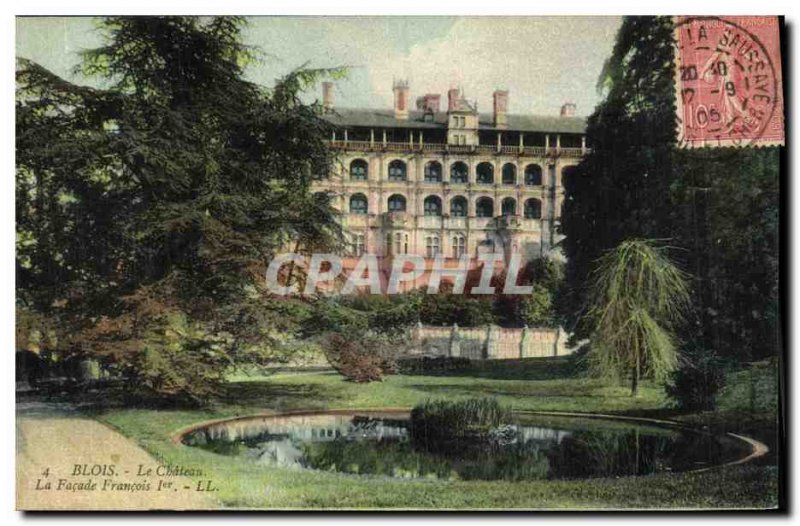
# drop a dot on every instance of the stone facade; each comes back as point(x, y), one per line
point(533, 235)
point(427, 182)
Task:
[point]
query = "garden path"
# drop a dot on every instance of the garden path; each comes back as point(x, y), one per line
point(55, 440)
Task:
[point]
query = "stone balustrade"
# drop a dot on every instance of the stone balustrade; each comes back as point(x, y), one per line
point(529, 151)
point(490, 342)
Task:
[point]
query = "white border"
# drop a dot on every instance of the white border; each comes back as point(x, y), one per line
point(339, 7)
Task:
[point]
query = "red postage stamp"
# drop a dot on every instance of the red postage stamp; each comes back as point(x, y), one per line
point(728, 81)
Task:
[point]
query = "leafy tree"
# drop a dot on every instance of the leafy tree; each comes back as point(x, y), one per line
point(729, 222)
point(636, 299)
point(621, 189)
point(720, 208)
point(543, 306)
point(163, 196)
point(449, 309)
point(536, 309)
point(330, 314)
point(545, 272)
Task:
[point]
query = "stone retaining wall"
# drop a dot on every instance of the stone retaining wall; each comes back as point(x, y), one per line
point(490, 342)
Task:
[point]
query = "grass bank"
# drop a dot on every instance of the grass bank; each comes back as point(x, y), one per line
point(540, 384)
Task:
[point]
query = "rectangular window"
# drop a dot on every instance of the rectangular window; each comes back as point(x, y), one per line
point(358, 245)
point(431, 246)
point(398, 243)
point(459, 246)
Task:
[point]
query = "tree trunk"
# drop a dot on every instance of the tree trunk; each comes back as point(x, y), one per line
point(635, 380)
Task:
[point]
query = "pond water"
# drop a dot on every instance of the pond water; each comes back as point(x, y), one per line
point(532, 447)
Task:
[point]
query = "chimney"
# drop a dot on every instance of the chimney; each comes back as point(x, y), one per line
point(400, 89)
point(327, 96)
point(452, 99)
point(568, 109)
point(500, 108)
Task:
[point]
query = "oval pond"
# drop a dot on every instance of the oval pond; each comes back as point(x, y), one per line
point(532, 447)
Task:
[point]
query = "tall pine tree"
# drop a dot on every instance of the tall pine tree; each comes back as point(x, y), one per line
point(149, 209)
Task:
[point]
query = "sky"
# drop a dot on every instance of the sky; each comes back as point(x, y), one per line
point(542, 61)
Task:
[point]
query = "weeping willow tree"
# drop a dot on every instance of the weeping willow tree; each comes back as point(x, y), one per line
point(637, 298)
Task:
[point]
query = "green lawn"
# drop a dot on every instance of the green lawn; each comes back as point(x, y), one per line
point(542, 384)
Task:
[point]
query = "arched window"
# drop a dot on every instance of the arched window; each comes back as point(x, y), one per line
point(433, 206)
point(358, 204)
point(484, 207)
point(568, 175)
point(433, 172)
point(533, 175)
point(431, 246)
point(533, 209)
point(459, 172)
point(485, 173)
point(359, 170)
point(459, 245)
point(397, 203)
point(509, 174)
point(458, 206)
point(509, 206)
point(397, 171)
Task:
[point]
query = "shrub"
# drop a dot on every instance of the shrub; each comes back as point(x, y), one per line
point(697, 381)
point(441, 425)
point(30, 367)
point(427, 364)
point(578, 361)
point(362, 358)
point(473, 312)
point(754, 388)
point(447, 309)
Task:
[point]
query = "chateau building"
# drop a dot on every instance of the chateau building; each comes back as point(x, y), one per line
point(450, 181)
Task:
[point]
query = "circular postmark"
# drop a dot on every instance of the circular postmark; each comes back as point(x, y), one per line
point(727, 84)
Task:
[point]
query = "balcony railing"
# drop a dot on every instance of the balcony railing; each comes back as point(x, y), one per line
point(528, 151)
point(406, 220)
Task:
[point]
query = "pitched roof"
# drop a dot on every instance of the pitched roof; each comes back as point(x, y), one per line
point(385, 119)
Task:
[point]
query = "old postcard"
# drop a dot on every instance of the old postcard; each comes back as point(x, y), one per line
point(399, 263)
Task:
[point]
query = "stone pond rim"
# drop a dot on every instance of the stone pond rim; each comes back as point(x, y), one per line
point(757, 448)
